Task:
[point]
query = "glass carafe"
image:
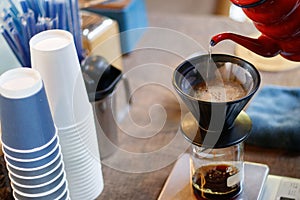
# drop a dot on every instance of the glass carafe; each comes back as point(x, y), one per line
point(218, 173)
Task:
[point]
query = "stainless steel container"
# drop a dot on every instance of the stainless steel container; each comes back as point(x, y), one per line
point(101, 79)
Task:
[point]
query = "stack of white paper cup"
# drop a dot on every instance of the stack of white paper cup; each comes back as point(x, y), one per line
point(29, 137)
point(53, 54)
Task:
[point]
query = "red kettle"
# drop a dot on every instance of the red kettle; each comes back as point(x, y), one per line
point(279, 24)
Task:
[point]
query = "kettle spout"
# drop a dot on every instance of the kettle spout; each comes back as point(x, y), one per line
point(263, 45)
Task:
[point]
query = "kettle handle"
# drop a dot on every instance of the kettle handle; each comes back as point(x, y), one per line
point(127, 89)
point(121, 114)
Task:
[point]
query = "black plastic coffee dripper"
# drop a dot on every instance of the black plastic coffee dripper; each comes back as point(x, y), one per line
point(215, 124)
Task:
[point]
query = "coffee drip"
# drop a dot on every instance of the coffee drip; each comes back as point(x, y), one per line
point(216, 125)
point(216, 117)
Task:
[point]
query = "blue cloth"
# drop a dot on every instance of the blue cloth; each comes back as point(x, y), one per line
point(275, 114)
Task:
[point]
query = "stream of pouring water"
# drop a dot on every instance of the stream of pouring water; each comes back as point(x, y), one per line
point(209, 63)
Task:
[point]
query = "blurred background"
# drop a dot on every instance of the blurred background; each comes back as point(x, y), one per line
point(126, 15)
point(189, 7)
point(196, 7)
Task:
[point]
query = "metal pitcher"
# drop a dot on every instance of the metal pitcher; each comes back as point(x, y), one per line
point(101, 80)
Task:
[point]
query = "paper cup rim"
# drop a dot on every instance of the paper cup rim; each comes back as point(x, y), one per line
point(34, 164)
point(76, 138)
point(32, 159)
point(92, 170)
point(36, 168)
point(91, 190)
point(79, 124)
point(66, 190)
point(60, 164)
point(76, 130)
point(62, 172)
point(85, 153)
point(34, 150)
point(49, 34)
point(74, 169)
point(23, 92)
point(63, 181)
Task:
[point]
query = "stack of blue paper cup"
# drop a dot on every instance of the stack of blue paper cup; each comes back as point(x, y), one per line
point(30, 141)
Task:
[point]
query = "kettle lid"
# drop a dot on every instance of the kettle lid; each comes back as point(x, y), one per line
point(247, 3)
